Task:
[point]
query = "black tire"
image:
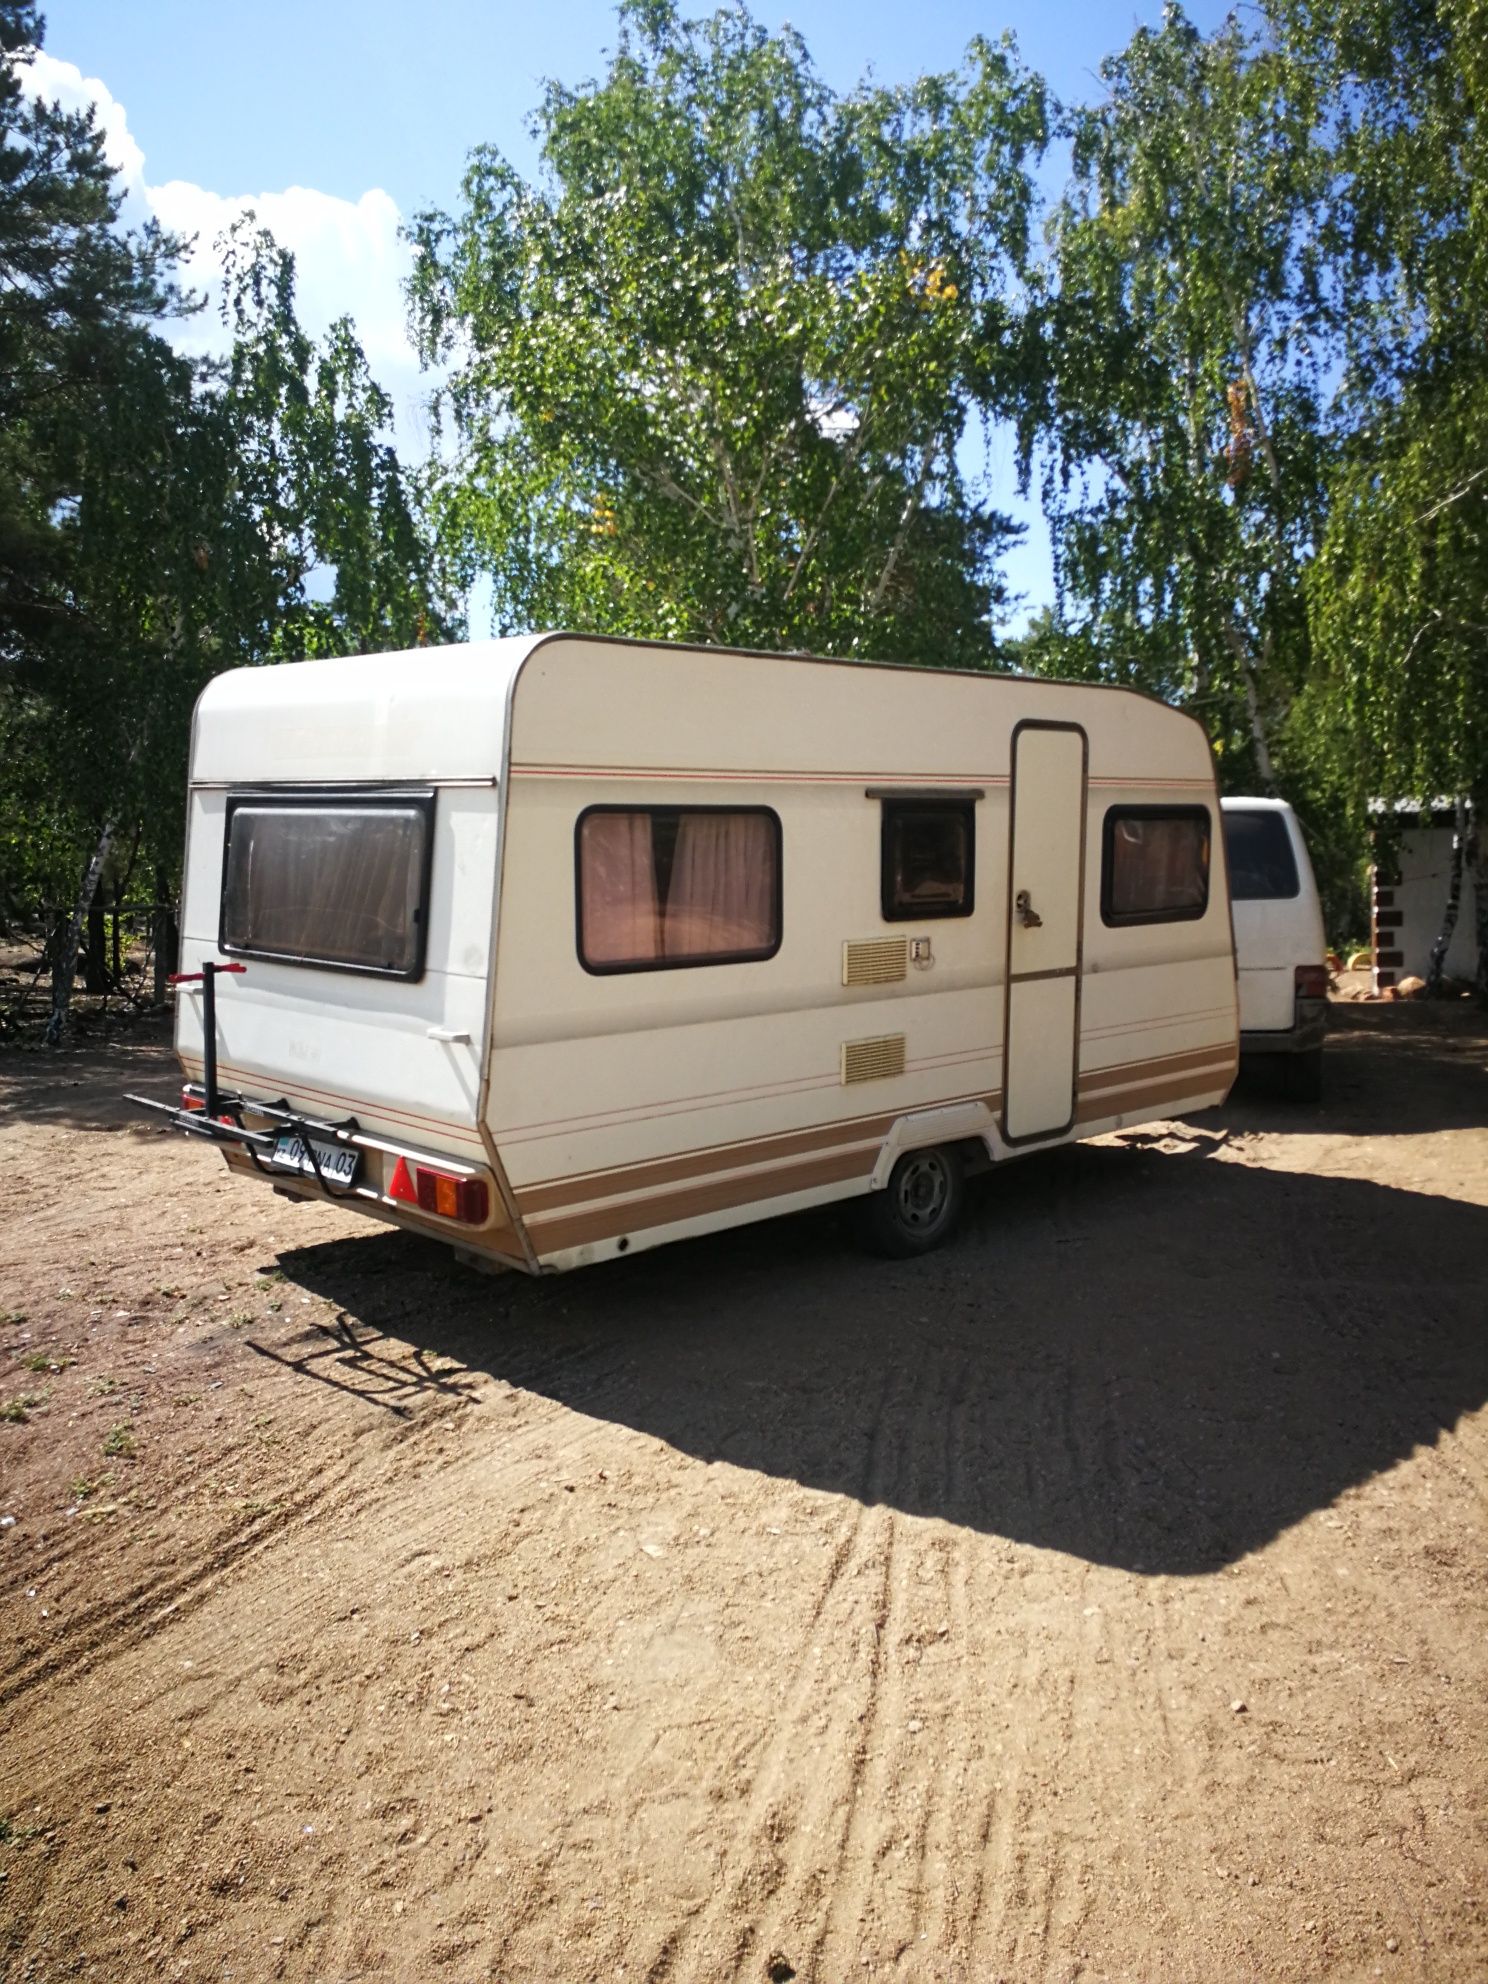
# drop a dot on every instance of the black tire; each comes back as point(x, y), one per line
point(1302, 1076)
point(920, 1205)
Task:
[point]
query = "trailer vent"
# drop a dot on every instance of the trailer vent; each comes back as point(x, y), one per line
point(881, 961)
point(873, 1060)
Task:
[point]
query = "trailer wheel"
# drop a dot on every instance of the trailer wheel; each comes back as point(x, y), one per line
point(918, 1207)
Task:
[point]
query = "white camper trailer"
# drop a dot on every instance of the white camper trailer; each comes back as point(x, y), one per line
point(558, 947)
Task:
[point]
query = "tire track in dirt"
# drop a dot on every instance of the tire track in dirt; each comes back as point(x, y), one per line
point(114, 1627)
point(960, 1823)
point(1014, 1871)
point(954, 1724)
point(872, 1811)
point(776, 1811)
point(126, 1621)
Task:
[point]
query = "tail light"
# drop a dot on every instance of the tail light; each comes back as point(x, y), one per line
point(195, 1105)
point(1312, 981)
point(465, 1199)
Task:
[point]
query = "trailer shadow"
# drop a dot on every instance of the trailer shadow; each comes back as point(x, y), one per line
point(1149, 1355)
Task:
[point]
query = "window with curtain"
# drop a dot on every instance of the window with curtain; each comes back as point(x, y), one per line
point(662, 886)
point(1156, 864)
point(331, 879)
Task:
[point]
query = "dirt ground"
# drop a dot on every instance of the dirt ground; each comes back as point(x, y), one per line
point(1102, 1598)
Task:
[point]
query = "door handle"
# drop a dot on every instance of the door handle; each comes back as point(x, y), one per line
point(1028, 916)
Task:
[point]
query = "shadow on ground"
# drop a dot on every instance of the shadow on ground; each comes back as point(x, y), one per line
point(1151, 1355)
point(1388, 1070)
point(82, 1085)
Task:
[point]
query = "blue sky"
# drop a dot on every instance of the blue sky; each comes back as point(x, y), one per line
point(336, 119)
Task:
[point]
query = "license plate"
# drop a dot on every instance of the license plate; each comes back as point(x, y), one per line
point(338, 1162)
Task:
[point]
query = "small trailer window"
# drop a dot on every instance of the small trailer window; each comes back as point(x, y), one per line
point(1156, 864)
point(331, 879)
point(1262, 866)
point(929, 859)
point(661, 886)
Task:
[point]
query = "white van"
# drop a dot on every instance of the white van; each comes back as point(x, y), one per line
point(1280, 947)
point(558, 947)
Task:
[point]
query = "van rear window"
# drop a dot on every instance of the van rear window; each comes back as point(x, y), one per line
point(338, 880)
point(1263, 867)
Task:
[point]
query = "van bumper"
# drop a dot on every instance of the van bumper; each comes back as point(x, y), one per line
point(1305, 1033)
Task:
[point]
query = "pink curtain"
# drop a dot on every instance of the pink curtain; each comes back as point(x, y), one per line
point(1160, 865)
point(621, 920)
point(722, 893)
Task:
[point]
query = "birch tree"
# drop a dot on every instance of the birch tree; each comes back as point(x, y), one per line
point(709, 375)
point(1188, 336)
point(1399, 591)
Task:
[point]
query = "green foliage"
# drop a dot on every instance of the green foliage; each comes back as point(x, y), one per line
point(1186, 463)
point(1399, 591)
point(159, 520)
point(709, 378)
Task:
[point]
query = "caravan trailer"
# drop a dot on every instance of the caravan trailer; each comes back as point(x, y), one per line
point(558, 947)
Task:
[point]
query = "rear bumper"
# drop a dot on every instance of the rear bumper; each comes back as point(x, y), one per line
point(248, 1128)
point(1308, 1031)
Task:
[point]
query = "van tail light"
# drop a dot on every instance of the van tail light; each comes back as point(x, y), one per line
point(1312, 981)
point(465, 1199)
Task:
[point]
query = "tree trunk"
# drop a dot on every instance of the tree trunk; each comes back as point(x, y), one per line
point(1240, 648)
point(163, 936)
point(1437, 969)
point(95, 957)
point(64, 969)
point(118, 928)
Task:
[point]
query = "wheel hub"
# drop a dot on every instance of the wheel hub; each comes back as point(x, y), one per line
point(924, 1189)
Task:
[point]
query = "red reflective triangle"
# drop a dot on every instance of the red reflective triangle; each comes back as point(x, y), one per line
point(401, 1185)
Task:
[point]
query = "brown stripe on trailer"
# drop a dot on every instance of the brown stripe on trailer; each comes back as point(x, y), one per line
point(552, 1236)
point(1126, 1072)
point(1095, 1108)
point(719, 1157)
point(548, 1193)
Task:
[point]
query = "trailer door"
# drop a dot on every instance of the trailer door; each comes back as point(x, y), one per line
point(1045, 913)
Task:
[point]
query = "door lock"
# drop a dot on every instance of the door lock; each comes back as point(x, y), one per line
point(1028, 916)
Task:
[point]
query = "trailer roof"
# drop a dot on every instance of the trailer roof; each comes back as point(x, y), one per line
point(419, 713)
point(442, 714)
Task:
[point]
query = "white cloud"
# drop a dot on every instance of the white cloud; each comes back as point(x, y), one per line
point(349, 260)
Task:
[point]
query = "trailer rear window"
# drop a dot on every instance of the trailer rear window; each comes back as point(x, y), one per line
point(1262, 866)
point(1156, 864)
point(339, 880)
point(663, 886)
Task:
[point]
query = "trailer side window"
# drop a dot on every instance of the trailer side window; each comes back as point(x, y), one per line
point(662, 886)
point(1156, 864)
point(336, 879)
point(928, 859)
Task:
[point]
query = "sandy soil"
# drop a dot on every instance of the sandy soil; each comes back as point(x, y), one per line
point(1103, 1598)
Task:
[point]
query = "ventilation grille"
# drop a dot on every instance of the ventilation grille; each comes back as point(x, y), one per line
point(873, 1060)
point(881, 961)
